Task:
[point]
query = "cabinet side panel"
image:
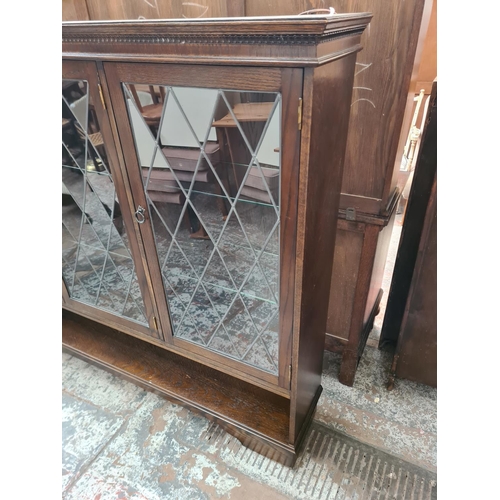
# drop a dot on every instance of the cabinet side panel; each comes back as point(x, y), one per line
point(327, 97)
point(417, 345)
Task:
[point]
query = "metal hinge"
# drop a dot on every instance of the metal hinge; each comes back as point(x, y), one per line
point(155, 323)
point(350, 213)
point(300, 114)
point(290, 375)
point(102, 95)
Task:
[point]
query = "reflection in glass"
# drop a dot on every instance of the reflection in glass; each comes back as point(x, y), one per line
point(98, 269)
point(210, 163)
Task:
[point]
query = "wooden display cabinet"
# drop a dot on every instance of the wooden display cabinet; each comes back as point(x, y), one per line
point(386, 78)
point(202, 166)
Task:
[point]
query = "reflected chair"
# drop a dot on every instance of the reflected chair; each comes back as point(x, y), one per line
point(249, 114)
point(84, 112)
point(150, 104)
point(181, 151)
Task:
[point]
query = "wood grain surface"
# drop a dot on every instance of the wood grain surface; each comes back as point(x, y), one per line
point(323, 138)
point(416, 353)
point(381, 84)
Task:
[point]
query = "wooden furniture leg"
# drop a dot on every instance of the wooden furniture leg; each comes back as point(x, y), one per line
point(361, 251)
point(197, 234)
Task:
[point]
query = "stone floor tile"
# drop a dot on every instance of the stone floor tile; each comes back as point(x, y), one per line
point(86, 429)
point(409, 404)
point(408, 443)
point(159, 455)
point(98, 387)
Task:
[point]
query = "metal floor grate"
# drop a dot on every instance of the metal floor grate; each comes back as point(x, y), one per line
point(331, 466)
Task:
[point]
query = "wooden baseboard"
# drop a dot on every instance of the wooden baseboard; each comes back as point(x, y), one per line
point(259, 419)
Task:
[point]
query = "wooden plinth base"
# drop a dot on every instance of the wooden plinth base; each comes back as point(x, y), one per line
point(257, 418)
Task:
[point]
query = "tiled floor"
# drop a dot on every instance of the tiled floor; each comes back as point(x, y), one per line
point(120, 441)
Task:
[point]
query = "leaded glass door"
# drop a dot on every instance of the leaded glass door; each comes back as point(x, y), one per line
point(99, 270)
point(207, 177)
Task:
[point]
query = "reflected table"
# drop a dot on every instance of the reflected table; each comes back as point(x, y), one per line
point(255, 185)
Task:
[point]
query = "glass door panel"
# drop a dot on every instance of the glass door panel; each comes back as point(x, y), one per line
point(98, 269)
point(210, 167)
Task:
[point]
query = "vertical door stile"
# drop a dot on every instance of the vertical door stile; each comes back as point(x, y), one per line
point(292, 81)
point(139, 251)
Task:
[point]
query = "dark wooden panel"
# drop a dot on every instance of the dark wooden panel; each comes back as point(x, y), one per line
point(281, 7)
point(253, 415)
point(159, 9)
point(123, 9)
point(323, 143)
point(351, 353)
point(391, 181)
point(381, 84)
point(75, 10)
point(256, 79)
point(423, 178)
point(416, 353)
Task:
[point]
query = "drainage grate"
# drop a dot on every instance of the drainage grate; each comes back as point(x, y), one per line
point(332, 466)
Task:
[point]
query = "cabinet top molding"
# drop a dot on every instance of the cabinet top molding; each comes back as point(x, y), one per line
point(308, 40)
